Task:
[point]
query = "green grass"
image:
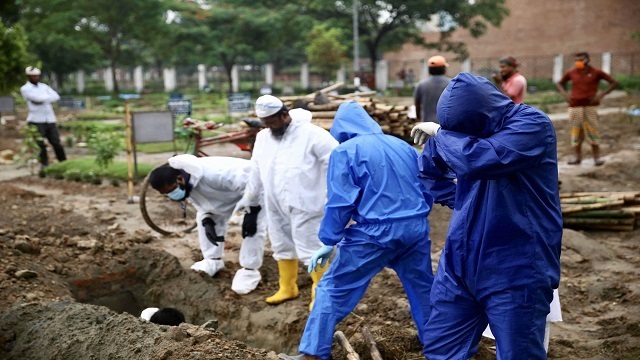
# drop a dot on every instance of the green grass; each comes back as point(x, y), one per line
point(86, 168)
point(154, 148)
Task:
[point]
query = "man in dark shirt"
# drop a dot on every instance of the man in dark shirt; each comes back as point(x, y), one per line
point(428, 91)
point(583, 104)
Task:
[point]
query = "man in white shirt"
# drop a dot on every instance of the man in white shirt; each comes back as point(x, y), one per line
point(39, 97)
point(289, 165)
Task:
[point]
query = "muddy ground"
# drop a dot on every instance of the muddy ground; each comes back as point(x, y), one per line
point(67, 245)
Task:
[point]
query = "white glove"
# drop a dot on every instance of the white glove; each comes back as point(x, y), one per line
point(421, 132)
point(243, 206)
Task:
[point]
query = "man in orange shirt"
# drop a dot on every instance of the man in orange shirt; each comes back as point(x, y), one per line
point(510, 81)
point(583, 104)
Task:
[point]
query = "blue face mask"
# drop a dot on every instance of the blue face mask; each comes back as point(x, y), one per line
point(177, 194)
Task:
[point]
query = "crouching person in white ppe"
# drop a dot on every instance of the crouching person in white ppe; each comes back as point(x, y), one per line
point(214, 185)
point(289, 164)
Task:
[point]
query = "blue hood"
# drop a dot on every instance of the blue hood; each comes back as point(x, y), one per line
point(352, 120)
point(472, 105)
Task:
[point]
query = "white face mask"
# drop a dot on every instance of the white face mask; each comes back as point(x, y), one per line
point(177, 194)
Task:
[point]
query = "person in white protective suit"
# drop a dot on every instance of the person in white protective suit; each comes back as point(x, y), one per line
point(289, 164)
point(214, 185)
point(555, 315)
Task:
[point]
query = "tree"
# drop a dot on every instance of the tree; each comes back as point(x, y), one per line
point(388, 25)
point(14, 57)
point(111, 24)
point(326, 49)
point(54, 39)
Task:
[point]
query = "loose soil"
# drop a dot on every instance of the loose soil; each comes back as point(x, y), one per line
point(78, 264)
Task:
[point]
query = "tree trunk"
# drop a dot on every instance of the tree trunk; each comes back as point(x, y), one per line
point(114, 78)
point(229, 70)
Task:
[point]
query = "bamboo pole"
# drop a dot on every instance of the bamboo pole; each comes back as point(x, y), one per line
point(587, 200)
point(576, 208)
point(603, 227)
point(598, 221)
point(129, 142)
point(373, 347)
point(603, 214)
point(346, 346)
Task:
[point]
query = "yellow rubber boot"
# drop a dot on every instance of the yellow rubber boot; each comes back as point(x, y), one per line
point(316, 275)
point(288, 270)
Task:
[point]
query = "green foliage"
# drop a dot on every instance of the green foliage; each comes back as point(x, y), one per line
point(541, 84)
point(14, 57)
point(87, 165)
point(82, 131)
point(107, 146)
point(30, 148)
point(629, 83)
point(326, 48)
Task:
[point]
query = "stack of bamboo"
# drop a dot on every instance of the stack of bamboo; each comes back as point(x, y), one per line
point(393, 119)
point(601, 210)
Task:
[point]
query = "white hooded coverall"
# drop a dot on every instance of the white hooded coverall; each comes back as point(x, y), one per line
point(292, 173)
point(217, 185)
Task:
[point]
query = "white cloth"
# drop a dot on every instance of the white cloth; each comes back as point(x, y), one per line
point(217, 185)
point(44, 95)
point(267, 105)
point(422, 131)
point(555, 315)
point(245, 281)
point(148, 313)
point(32, 70)
point(291, 171)
point(209, 266)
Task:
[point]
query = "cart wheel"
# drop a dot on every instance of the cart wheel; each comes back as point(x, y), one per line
point(163, 215)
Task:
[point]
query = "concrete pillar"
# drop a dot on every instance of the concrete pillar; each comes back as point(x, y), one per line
point(606, 62)
point(304, 76)
point(558, 63)
point(169, 78)
point(108, 79)
point(235, 79)
point(342, 73)
point(268, 74)
point(202, 76)
point(80, 82)
point(466, 66)
point(382, 75)
point(424, 70)
point(138, 79)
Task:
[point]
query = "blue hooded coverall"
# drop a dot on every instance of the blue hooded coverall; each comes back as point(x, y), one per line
point(501, 259)
point(372, 179)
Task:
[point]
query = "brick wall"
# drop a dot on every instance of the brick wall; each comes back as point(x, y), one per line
point(546, 28)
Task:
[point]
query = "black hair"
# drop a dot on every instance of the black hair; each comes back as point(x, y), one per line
point(163, 176)
point(583, 53)
point(167, 316)
point(437, 70)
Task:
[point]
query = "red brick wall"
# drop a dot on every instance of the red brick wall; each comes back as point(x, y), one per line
point(548, 27)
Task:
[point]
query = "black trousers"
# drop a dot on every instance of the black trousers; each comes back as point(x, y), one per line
point(50, 132)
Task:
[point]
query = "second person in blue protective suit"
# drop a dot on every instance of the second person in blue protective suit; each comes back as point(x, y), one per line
point(501, 259)
point(373, 180)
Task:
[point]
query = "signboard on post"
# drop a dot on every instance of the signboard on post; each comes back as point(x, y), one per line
point(152, 126)
point(7, 104)
point(71, 103)
point(179, 107)
point(239, 102)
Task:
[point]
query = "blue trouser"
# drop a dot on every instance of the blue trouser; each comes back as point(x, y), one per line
point(466, 296)
point(402, 245)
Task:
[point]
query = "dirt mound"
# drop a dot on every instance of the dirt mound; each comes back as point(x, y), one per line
point(68, 330)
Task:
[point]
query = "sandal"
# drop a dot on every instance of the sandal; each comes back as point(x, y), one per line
point(598, 162)
point(574, 161)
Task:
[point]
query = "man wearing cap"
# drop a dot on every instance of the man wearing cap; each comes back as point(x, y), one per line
point(39, 97)
point(510, 81)
point(289, 165)
point(428, 91)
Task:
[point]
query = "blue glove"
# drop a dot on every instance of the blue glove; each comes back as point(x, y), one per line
point(324, 253)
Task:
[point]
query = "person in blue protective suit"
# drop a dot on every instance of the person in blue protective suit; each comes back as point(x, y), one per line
point(373, 180)
point(501, 259)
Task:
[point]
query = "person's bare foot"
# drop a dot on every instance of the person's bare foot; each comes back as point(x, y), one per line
point(598, 162)
point(574, 161)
